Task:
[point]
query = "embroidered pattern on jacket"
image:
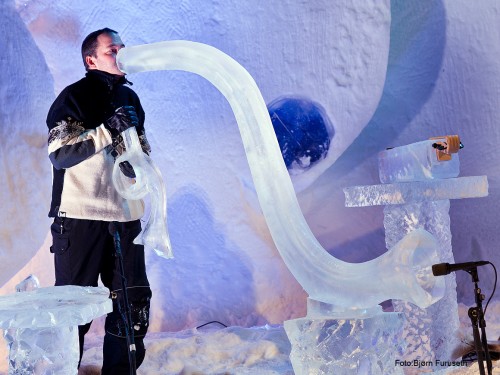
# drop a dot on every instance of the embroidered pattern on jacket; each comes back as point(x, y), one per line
point(144, 143)
point(65, 129)
point(117, 148)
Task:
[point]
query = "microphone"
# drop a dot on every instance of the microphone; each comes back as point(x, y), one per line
point(442, 269)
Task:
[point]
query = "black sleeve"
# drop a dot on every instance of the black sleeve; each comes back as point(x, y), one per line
point(69, 142)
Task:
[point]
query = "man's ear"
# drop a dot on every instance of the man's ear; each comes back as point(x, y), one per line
point(90, 62)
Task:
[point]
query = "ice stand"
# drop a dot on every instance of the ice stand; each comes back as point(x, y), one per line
point(418, 182)
point(41, 326)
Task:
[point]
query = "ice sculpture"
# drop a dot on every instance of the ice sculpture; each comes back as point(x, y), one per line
point(402, 273)
point(148, 179)
point(423, 203)
point(41, 326)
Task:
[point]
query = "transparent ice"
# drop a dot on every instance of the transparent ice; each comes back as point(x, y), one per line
point(418, 191)
point(41, 325)
point(28, 284)
point(148, 180)
point(346, 286)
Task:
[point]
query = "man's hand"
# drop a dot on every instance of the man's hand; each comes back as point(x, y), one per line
point(124, 117)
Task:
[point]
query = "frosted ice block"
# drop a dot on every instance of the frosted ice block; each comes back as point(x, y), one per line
point(429, 333)
point(418, 191)
point(346, 346)
point(53, 306)
point(41, 325)
point(415, 162)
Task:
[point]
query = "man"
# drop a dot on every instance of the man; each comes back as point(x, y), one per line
point(85, 123)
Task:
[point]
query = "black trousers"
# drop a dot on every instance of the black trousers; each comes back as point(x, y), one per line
point(83, 251)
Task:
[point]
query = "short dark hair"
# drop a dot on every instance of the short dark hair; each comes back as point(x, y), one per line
point(89, 44)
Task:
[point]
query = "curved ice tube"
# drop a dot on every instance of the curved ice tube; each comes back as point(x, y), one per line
point(148, 180)
point(403, 272)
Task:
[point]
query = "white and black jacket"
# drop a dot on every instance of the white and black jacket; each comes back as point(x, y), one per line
point(83, 152)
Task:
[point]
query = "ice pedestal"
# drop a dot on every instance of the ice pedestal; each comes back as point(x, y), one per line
point(430, 333)
point(324, 345)
point(41, 326)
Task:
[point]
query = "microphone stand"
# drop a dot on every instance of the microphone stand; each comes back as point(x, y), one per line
point(125, 311)
point(476, 315)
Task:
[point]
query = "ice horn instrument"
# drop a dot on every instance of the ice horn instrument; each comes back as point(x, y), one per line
point(404, 272)
point(148, 180)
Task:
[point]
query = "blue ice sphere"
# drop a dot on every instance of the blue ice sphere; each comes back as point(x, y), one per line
point(303, 130)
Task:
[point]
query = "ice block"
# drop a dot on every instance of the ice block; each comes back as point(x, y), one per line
point(420, 161)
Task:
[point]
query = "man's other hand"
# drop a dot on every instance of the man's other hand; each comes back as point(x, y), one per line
point(124, 117)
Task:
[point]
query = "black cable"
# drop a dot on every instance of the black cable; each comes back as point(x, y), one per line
point(213, 321)
point(494, 288)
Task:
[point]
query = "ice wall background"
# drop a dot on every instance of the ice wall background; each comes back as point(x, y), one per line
point(387, 73)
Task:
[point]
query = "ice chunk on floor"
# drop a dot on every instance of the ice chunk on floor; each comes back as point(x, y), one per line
point(53, 306)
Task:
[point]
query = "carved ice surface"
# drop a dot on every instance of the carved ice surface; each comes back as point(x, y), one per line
point(324, 278)
point(40, 325)
point(53, 306)
point(43, 351)
point(429, 333)
point(415, 162)
point(148, 179)
point(326, 346)
point(28, 284)
point(418, 191)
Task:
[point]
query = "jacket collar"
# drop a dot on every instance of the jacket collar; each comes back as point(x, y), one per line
point(109, 79)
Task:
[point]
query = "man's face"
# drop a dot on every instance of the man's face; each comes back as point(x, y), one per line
point(108, 46)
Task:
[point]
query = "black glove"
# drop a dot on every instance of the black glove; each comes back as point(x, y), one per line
point(124, 117)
